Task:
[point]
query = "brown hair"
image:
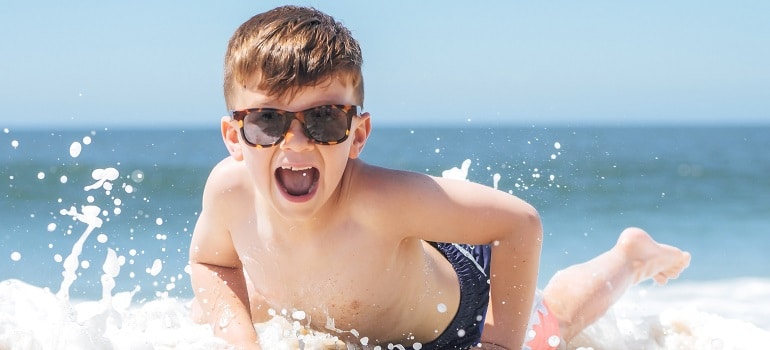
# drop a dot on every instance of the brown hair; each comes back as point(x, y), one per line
point(289, 48)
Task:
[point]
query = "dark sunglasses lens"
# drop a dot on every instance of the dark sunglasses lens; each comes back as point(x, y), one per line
point(327, 124)
point(264, 127)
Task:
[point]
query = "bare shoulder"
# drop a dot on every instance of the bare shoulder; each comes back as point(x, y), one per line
point(377, 186)
point(382, 184)
point(223, 195)
point(227, 190)
point(435, 208)
point(373, 194)
point(226, 176)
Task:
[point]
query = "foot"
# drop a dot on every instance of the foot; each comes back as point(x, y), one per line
point(650, 259)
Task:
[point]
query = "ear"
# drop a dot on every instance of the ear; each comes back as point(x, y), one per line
point(360, 132)
point(230, 137)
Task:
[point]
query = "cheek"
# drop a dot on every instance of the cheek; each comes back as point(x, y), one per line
point(258, 165)
point(336, 162)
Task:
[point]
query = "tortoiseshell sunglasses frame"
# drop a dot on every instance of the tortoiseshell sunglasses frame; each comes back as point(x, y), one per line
point(349, 110)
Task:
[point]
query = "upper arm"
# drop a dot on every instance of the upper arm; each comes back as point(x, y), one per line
point(447, 210)
point(476, 214)
point(211, 240)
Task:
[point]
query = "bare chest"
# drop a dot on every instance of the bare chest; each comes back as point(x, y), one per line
point(342, 293)
point(368, 291)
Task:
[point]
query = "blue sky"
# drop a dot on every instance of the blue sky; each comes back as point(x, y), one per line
point(108, 63)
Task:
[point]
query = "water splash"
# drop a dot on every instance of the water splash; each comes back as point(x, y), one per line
point(103, 178)
point(89, 216)
point(460, 173)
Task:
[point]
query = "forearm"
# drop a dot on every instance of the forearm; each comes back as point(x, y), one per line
point(514, 267)
point(222, 295)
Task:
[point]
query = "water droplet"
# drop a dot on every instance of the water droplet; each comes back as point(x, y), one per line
point(41, 175)
point(554, 341)
point(111, 174)
point(496, 180)
point(15, 144)
point(97, 174)
point(157, 265)
point(137, 176)
point(441, 308)
point(15, 256)
point(75, 149)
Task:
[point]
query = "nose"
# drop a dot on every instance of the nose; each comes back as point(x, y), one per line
point(296, 139)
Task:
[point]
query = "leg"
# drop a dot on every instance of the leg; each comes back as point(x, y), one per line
point(581, 294)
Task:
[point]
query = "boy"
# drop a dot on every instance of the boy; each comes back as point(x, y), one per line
point(294, 220)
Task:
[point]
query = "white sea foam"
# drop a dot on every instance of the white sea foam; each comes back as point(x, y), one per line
point(33, 318)
point(687, 315)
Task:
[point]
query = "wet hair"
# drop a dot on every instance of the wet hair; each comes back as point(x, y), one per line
point(289, 48)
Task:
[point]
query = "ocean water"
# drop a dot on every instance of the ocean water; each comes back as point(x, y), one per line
point(95, 226)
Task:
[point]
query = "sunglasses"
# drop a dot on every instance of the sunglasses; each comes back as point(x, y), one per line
point(267, 127)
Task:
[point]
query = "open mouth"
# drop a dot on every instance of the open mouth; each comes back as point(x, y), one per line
point(297, 181)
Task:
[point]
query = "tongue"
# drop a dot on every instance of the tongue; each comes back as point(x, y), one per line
point(297, 182)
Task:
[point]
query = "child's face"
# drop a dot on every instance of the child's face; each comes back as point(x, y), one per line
point(297, 175)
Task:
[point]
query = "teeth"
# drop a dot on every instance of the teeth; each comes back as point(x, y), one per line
point(296, 168)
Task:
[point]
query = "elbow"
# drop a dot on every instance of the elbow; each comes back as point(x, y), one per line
point(533, 218)
point(530, 225)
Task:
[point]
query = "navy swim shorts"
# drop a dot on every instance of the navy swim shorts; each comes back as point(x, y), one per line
point(471, 262)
